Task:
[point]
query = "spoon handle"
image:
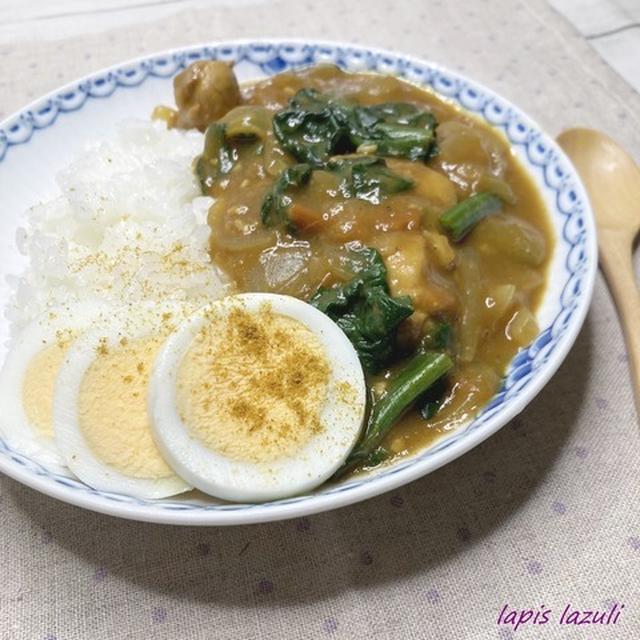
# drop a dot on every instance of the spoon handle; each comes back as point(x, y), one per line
point(615, 260)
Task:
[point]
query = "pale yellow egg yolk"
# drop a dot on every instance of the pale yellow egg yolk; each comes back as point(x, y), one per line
point(112, 408)
point(252, 385)
point(38, 386)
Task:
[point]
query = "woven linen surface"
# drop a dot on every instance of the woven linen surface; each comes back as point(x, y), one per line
point(543, 513)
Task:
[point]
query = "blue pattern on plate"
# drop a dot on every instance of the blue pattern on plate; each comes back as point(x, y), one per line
point(274, 58)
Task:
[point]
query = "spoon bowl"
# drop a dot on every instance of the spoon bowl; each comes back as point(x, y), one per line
point(611, 176)
point(612, 180)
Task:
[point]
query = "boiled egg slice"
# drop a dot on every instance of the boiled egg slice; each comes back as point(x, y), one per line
point(28, 378)
point(257, 397)
point(100, 407)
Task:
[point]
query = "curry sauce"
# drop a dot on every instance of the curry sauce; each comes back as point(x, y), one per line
point(484, 288)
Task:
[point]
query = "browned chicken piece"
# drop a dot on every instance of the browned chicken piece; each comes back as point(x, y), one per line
point(409, 272)
point(410, 330)
point(204, 92)
point(412, 271)
point(441, 249)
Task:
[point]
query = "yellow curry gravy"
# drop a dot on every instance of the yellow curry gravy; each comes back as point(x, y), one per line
point(487, 286)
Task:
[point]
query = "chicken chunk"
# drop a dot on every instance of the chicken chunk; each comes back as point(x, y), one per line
point(406, 256)
point(411, 271)
point(204, 92)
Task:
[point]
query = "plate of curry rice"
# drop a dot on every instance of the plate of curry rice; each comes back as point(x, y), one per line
point(257, 280)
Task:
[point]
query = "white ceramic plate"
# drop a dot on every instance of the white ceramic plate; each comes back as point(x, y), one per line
point(43, 137)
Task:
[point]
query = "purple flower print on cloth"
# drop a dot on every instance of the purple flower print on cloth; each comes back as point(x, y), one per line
point(330, 626)
point(396, 501)
point(304, 524)
point(265, 586)
point(534, 568)
point(463, 534)
point(158, 615)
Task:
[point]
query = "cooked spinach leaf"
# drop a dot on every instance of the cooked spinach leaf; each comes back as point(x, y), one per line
point(419, 375)
point(460, 219)
point(364, 308)
point(396, 129)
point(430, 401)
point(367, 178)
point(275, 204)
point(313, 127)
point(437, 335)
point(364, 177)
point(242, 125)
point(217, 157)
point(376, 457)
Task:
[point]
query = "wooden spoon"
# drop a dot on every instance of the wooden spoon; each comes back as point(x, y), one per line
point(612, 180)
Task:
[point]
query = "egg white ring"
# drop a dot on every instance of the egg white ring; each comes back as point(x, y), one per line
point(244, 481)
point(131, 322)
point(41, 333)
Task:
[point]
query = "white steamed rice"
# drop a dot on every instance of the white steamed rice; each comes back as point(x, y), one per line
point(130, 225)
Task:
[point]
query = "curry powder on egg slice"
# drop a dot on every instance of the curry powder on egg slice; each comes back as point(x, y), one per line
point(252, 386)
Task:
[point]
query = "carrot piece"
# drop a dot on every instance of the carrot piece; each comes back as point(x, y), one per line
point(305, 218)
